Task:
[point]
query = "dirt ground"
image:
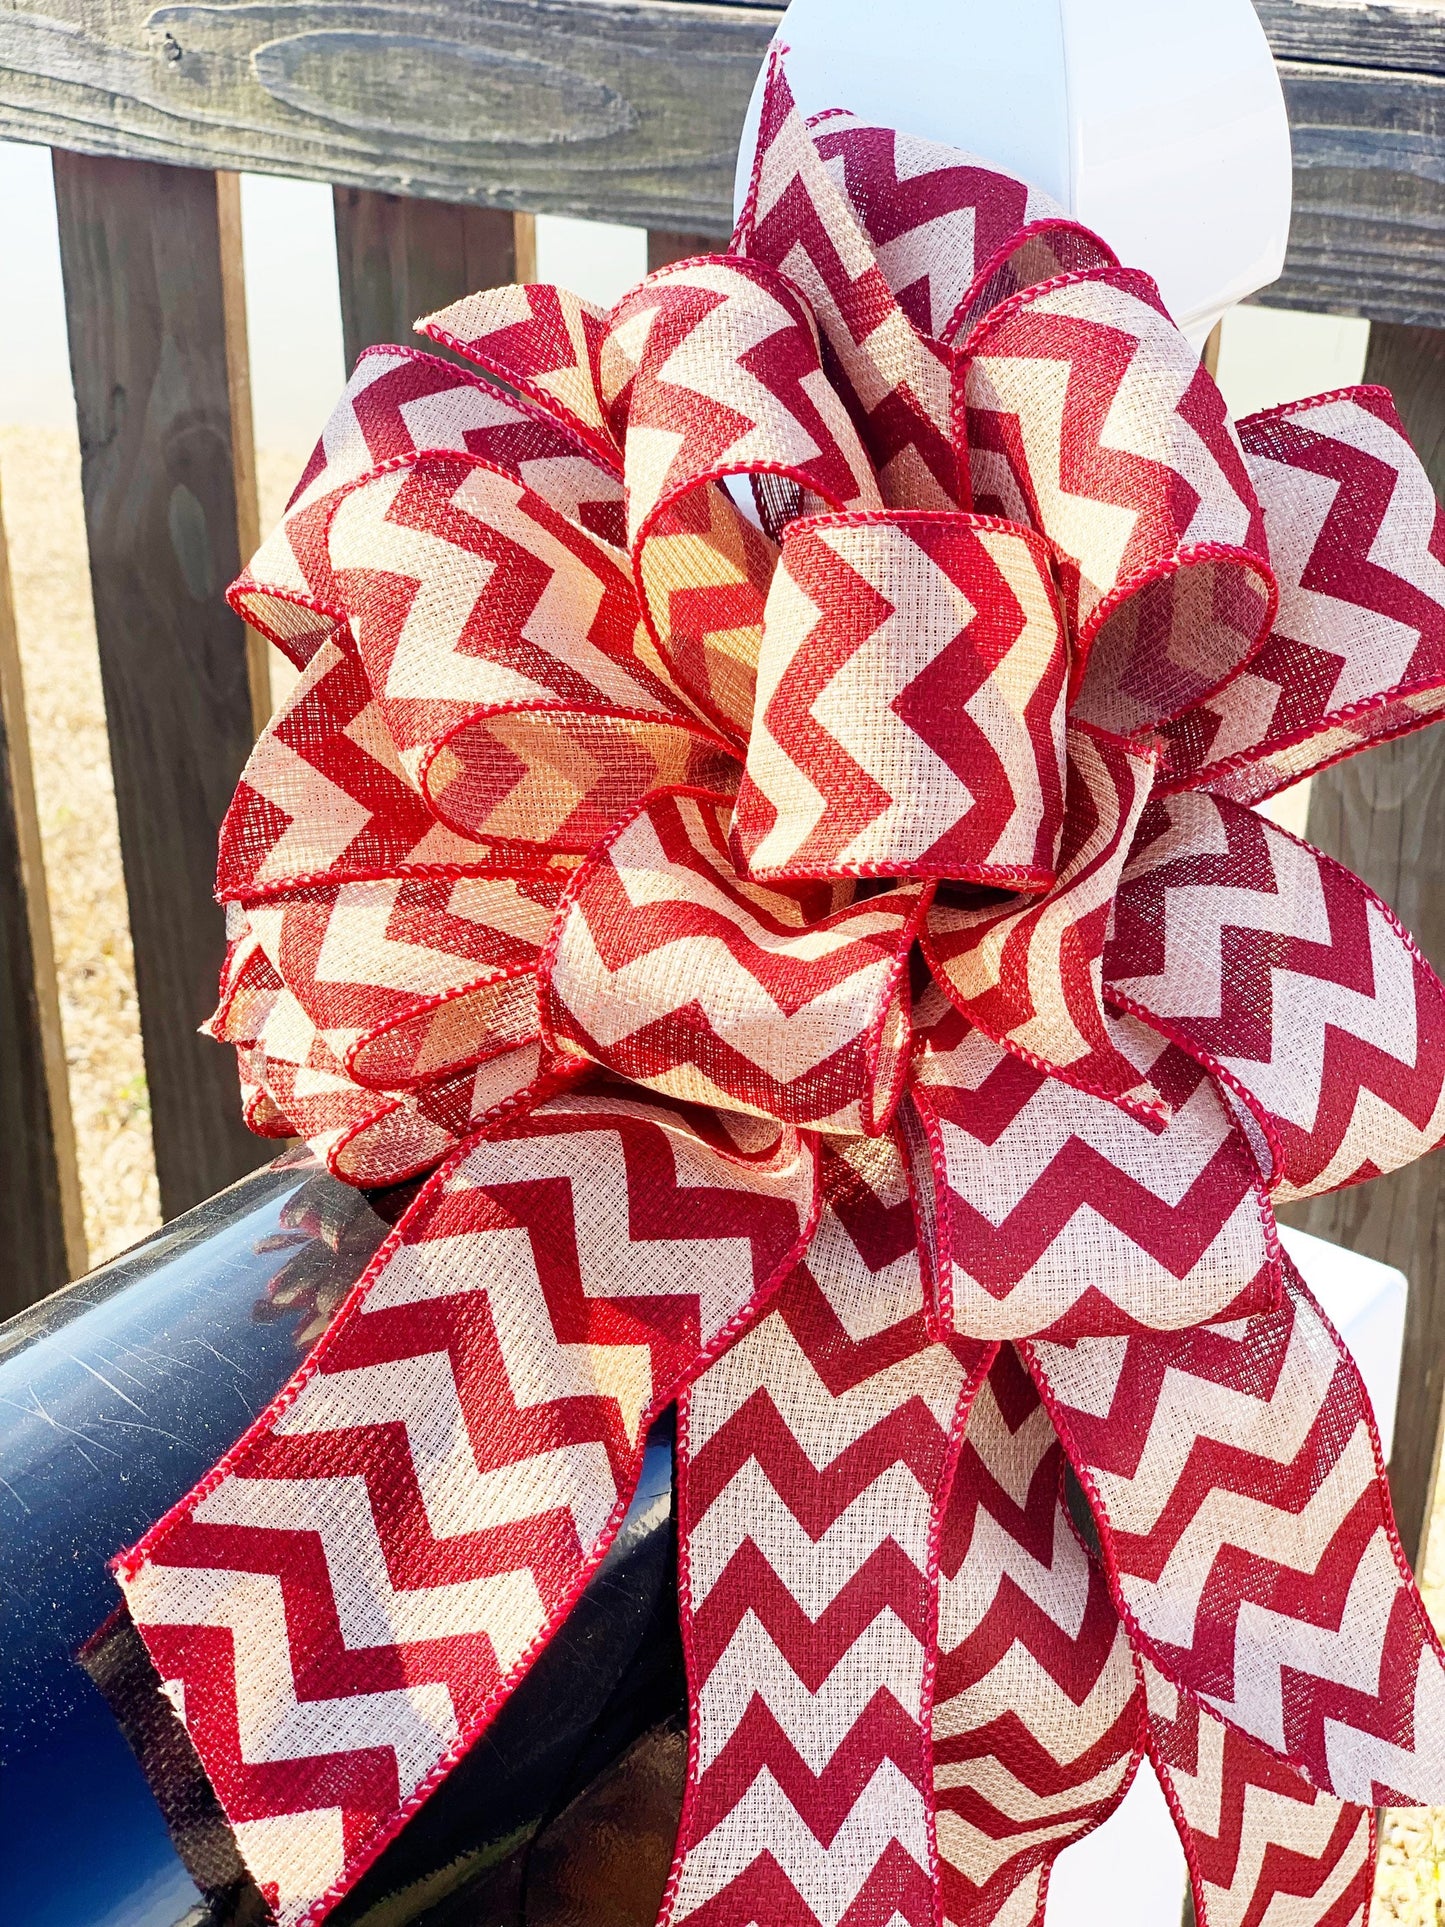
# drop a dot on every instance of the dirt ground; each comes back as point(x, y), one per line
point(40, 489)
point(40, 485)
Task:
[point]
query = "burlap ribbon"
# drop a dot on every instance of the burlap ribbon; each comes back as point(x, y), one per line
point(826, 950)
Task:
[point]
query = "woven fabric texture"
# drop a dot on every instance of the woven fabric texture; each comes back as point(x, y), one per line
point(764, 821)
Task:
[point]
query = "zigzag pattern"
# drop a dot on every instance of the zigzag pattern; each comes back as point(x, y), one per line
point(403, 977)
point(398, 403)
point(541, 341)
point(324, 794)
point(951, 234)
point(814, 1456)
point(702, 574)
point(1059, 1212)
point(676, 974)
point(701, 570)
point(1262, 1844)
point(1236, 1479)
point(897, 383)
point(480, 613)
point(1029, 973)
point(910, 708)
point(1267, 959)
point(496, 847)
point(713, 368)
point(1090, 419)
point(425, 1503)
point(1358, 649)
point(294, 1085)
point(1037, 1723)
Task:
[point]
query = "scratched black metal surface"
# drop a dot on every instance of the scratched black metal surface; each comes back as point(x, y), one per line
point(115, 1396)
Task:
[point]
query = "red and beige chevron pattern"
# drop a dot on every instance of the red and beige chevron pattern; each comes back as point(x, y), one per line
point(955, 624)
point(765, 820)
point(1251, 1826)
point(1037, 1724)
point(817, 1455)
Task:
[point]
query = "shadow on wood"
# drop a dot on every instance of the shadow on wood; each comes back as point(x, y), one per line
point(146, 304)
point(400, 259)
point(1383, 814)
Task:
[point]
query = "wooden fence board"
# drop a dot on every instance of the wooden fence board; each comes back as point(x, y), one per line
point(1404, 34)
point(42, 1233)
point(1368, 234)
point(243, 446)
point(668, 244)
point(141, 250)
point(398, 259)
point(1381, 813)
point(629, 110)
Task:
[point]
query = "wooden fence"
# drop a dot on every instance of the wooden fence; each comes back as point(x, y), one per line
point(443, 126)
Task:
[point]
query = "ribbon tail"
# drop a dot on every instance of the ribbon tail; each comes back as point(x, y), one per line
point(343, 1605)
point(1038, 1723)
point(814, 1458)
point(1254, 1831)
point(1236, 1478)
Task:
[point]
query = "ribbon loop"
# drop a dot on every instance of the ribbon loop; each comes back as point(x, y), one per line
point(1289, 980)
point(503, 642)
point(1029, 973)
point(398, 403)
point(910, 708)
point(544, 342)
point(1089, 419)
point(1060, 1213)
point(1357, 653)
point(671, 971)
point(713, 368)
point(896, 383)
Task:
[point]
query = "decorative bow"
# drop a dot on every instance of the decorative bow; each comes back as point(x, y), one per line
point(825, 948)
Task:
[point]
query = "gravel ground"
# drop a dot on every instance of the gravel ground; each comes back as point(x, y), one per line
point(40, 482)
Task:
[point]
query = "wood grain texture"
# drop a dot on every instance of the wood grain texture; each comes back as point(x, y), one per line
point(141, 250)
point(399, 259)
point(625, 110)
point(1383, 814)
point(42, 1232)
point(629, 110)
point(243, 445)
point(1405, 34)
point(665, 245)
point(1368, 234)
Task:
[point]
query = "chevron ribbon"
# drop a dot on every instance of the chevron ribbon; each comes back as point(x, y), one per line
point(765, 828)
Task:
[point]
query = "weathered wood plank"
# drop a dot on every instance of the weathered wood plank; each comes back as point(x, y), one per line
point(42, 1232)
point(614, 109)
point(1381, 813)
point(243, 444)
point(141, 250)
point(1404, 34)
point(665, 245)
point(398, 259)
point(1368, 235)
point(629, 110)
